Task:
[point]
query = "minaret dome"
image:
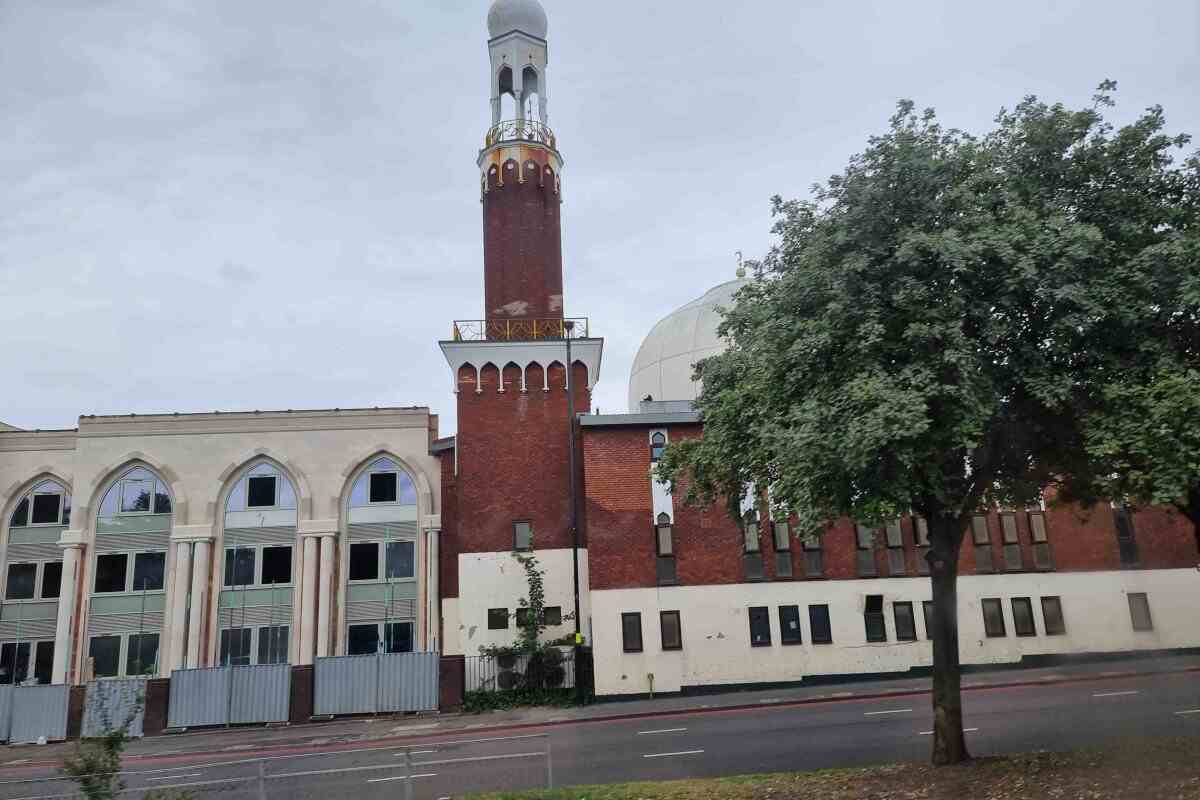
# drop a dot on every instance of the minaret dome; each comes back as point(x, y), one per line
point(526, 16)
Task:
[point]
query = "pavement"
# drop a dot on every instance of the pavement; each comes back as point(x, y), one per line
point(733, 733)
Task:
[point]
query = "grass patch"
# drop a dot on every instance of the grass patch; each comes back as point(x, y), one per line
point(1161, 769)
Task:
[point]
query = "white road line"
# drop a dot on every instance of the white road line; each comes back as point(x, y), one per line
point(478, 758)
point(930, 733)
point(1115, 694)
point(892, 711)
point(664, 730)
point(680, 753)
point(416, 753)
point(402, 777)
point(1189, 711)
point(174, 777)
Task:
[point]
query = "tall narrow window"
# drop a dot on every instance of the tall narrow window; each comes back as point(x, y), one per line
point(658, 443)
point(141, 657)
point(750, 531)
point(364, 561)
point(814, 559)
point(522, 535)
point(51, 580)
point(105, 652)
point(1042, 558)
point(277, 565)
point(819, 625)
point(235, 646)
point(21, 581)
point(895, 543)
point(1139, 612)
point(1126, 535)
point(111, 573)
point(149, 572)
point(873, 616)
point(789, 625)
point(865, 539)
point(1052, 616)
point(14, 662)
point(239, 566)
point(906, 624)
point(43, 662)
point(20, 517)
point(631, 632)
point(397, 637)
point(760, 627)
point(993, 617)
point(982, 537)
point(672, 633)
point(782, 535)
point(921, 533)
point(1022, 610)
point(401, 559)
point(273, 644)
point(752, 560)
point(1012, 544)
point(664, 543)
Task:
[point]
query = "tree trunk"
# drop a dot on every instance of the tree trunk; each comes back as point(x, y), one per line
point(945, 539)
point(1192, 510)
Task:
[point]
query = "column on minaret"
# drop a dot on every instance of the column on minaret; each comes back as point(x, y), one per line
point(63, 631)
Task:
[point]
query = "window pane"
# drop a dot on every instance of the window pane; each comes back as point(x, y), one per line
point(1037, 525)
point(927, 609)
point(906, 625)
point(497, 619)
point(148, 571)
point(398, 637)
point(273, 644)
point(14, 662)
point(873, 617)
point(143, 654)
point(983, 558)
point(922, 529)
point(750, 530)
point(522, 618)
point(789, 624)
point(658, 443)
point(865, 536)
point(1052, 616)
point(21, 580)
point(235, 646)
point(364, 561)
point(760, 627)
point(1023, 625)
point(45, 509)
point(979, 529)
point(20, 515)
point(672, 636)
point(105, 652)
point(522, 536)
point(993, 617)
point(51, 580)
point(631, 632)
point(664, 570)
point(1139, 612)
point(110, 574)
point(260, 491)
point(818, 622)
point(277, 565)
point(162, 500)
point(1008, 524)
point(364, 639)
point(400, 559)
point(552, 615)
point(783, 536)
point(665, 545)
point(239, 566)
point(383, 487)
point(894, 536)
point(43, 662)
point(135, 495)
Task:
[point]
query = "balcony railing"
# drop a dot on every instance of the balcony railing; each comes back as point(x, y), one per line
point(520, 130)
point(519, 329)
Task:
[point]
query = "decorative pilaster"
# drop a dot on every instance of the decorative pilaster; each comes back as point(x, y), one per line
point(199, 600)
point(181, 573)
point(308, 601)
point(72, 545)
point(325, 596)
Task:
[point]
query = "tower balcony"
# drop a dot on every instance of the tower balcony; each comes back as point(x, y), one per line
point(520, 130)
point(519, 329)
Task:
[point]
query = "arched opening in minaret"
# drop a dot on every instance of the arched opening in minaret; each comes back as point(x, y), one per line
point(508, 101)
point(531, 94)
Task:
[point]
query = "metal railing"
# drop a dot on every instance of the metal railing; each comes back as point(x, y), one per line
point(520, 130)
point(519, 329)
point(517, 672)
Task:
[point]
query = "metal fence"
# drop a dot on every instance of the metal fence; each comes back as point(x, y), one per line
point(374, 684)
point(229, 695)
point(110, 703)
point(555, 669)
point(33, 713)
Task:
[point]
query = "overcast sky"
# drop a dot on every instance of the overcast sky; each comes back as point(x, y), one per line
point(265, 204)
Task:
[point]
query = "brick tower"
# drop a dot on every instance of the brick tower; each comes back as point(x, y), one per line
point(507, 473)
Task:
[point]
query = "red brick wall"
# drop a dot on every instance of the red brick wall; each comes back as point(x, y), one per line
point(448, 543)
point(522, 245)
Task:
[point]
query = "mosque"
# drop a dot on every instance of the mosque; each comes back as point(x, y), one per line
point(142, 544)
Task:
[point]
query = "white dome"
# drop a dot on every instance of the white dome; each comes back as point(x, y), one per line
point(663, 365)
point(526, 16)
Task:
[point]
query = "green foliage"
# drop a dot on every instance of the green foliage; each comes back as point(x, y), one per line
point(480, 701)
point(96, 763)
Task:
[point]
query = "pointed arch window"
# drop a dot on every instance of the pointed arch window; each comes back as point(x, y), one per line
point(137, 491)
point(47, 503)
point(658, 443)
point(384, 482)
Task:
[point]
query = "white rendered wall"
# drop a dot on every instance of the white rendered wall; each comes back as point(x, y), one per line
point(497, 580)
point(716, 631)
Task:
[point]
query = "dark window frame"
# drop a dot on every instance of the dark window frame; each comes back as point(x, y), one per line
point(1027, 604)
point(787, 636)
point(517, 532)
point(259, 480)
point(107, 557)
point(990, 630)
point(873, 613)
point(494, 617)
point(383, 488)
point(631, 622)
point(1144, 600)
point(865, 540)
point(820, 624)
point(907, 633)
point(663, 616)
point(1060, 628)
point(31, 567)
point(657, 447)
point(760, 618)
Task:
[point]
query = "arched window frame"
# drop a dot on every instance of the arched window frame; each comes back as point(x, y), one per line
point(658, 444)
point(159, 499)
point(25, 509)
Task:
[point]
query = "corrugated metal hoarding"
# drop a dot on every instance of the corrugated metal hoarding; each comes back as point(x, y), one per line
point(199, 697)
point(229, 695)
point(408, 682)
point(383, 683)
point(110, 702)
point(260, 694)
point(38, 712)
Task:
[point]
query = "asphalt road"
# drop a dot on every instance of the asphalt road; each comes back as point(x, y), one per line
point(712, 743)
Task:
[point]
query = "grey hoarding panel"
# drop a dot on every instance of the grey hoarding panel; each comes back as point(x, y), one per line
point(6, 704)
point(345, 685)
point(408, 682)
point(109, 704)
point(260, 693)
point(198, 697)
point(39, 712)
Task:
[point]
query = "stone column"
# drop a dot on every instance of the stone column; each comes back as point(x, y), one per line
point(325, 595)
point(63, 639)
point(308, 598)
point(433, 613)
point(199, 603)
point(181, 574)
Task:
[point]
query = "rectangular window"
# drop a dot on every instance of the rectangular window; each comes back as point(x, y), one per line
point(235, 647)
point(135, 497)
point(277, 565)
point(783, 536)
point(364, 561)
point(273, 644)
point(814, 559)
point(1052, 616)
point(1041, 545)
point(497, 619)
point(781, 533)
point(664, 540)
point(162, 503)
point(927, 610)
point(921, 532)
point(1022, 610)
point(993, 617)
point(21, 581)
point(111, 572)
point(665, 571)
point(43, 662)
point(239, 566)
point(1012, 546)
point(895, 543)
point(149, 571)
point(750, 532)
point(260, 491)
point(522, 536)
point(1126, 536)
point(401, 559)
point(906, 624)
point(364, 639)
point(760, 627)
point(522, 617)
point(14, 662)
point(552, 615)
point(141, 657)
point(982, 537)
point(397, 637)
point(819, 626)
point(631, 632)
point(873, 617)
point(1139, 612)
point(105, 652)
point(664, 548)
point(865, 553)
point(789, 625)
point(51, 580)
point(383, 487)
point(672, 632)
point(45, 509)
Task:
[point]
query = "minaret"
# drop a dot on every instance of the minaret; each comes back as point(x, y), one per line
point(508, 473)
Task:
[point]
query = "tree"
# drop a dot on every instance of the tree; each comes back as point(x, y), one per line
point(915, 340)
